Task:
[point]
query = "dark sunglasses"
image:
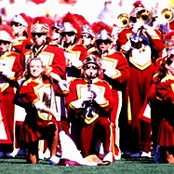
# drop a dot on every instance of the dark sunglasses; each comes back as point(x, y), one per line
point(85, 36)
point(99, 42)
point(16, 24)
point(91, 66)
point(38, 34)
point(67, 33)
point(4, 42)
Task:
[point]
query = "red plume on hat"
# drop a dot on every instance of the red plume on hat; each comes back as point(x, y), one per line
point(6, 33)
point(138, 4)
point(97, 26)
point(70, 18)
point(42, 24)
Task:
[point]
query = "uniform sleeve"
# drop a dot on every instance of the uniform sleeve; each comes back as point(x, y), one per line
point(165, 91)
point(59, 65)
point(27, 94)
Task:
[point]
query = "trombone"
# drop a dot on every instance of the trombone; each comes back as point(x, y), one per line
point(123, 20)
point(145, 16)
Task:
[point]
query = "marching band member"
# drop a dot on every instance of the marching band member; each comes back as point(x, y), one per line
point(90, 99)
point(10, 70)
point(74, 52)
point(21, 25)
point(38, 95)
point(115, 70)
point(52, 56)
point(142, 48)
point(163, 96)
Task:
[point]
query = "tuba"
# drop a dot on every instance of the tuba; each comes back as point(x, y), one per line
point(123, 20)
point(144, 15)
point(167, 14)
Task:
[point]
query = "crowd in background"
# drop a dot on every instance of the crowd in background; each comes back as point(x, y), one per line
point(106, 82)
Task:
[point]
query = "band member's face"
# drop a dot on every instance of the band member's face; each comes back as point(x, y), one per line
point(18, 28)
point(104, 45)
point(35, 68)
point(68, 37)
point(90, 70)
point(4, 46)
point(86, 39)
point(39, 38)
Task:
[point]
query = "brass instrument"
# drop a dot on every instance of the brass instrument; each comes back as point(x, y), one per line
point(145, 16)
point(123, 20)
point(167, 14)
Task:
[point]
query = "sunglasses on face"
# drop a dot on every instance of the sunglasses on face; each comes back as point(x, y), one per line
point(91, 66)
point(67, 34)
point(4, 42)
point(16, 24)
point(38, 34)
point(85, 36)
point(103, 41)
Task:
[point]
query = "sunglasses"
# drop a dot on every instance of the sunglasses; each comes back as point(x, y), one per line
point(67, 34)
point(4, 42)
point(16, 24)
point(85, 36)
point(37, 34)
point(91, 66)
point(99, 42)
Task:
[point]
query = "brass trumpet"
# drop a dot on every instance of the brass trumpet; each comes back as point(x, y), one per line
point(145, 16)
point(123, 20)
point(167, 14)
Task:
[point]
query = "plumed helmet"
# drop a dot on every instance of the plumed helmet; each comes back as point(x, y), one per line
point(22, 19)
point(67, 27)
point(91, 59)
point(69, 23)
point(104, 35)
point(102, 31)
point(86, 29)
point(6, 33)
point(137, 6)
point(41, 25)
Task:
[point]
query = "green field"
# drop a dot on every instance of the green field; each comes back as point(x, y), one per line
point(124, 166)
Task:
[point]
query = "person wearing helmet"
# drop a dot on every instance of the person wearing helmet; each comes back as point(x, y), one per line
point(74, 52)
point(142, 48)
point(115, 70)
point(20, 24)
point(90, 100)
point(10, 71)
point(52, 56)
point(87, 38)
point(55, 35)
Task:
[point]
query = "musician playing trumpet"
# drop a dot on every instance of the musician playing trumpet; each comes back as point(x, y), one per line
point(142, 48)
point(90, 99)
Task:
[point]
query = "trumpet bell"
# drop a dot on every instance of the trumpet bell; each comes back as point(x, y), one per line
point(123, 20)
point(145, 16)
point(167, 14)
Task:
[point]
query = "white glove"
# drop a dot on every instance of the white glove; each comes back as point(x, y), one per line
point(137, 26)
point(63, 84)
point(127, 46)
